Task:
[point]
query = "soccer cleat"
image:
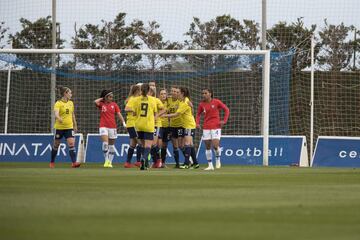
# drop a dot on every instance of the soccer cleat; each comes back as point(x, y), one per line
point(138, 164)
point(184, 166)
point(107, 164)
point(128, 165)
point(75, 164)
point(158, 163)
point(195, 166)
point(218, 164)
point(177, 165)
point(209, 168)
point(52, 165)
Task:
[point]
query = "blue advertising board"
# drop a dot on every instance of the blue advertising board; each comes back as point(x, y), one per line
point(337, 152)
point(93, 152)
point(34, 148)
point(247, 150)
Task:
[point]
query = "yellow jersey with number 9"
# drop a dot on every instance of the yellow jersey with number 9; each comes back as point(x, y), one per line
point(66, 110)
point(145, 108)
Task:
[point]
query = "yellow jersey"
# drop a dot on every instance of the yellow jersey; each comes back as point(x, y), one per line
point(165, 120)
point(173, 105)
point(185, 110)
point(145, 108)
point(160, 106)
point(130, 116)
point(66, 110)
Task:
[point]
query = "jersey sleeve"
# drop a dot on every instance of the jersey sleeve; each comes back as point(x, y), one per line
point(117, 108)
point(222, 105)
point(57, 106)
point(182, 108)
point(159, 104)
point(198, 114)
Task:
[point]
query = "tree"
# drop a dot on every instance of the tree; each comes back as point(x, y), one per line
point(221, 33)
point(108, 35)
point(248, 36)
point(283, 37)
point(38, 35)
point(3, 31)
point(152, 38)
point(336, 50)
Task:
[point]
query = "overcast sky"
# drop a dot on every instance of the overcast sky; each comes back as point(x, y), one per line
point(175, 16)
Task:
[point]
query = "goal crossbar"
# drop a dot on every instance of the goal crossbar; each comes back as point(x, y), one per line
point(134, 51)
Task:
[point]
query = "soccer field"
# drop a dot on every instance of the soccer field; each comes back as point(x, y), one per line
point(232, 203)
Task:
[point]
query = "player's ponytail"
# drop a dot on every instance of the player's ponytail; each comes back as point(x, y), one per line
point(61, 90)
point(145, 89)
point(185, 91)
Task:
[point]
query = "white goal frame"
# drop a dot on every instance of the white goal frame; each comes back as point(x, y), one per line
point(266, 72)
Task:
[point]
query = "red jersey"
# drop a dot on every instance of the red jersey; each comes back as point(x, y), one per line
point(211, 113)
point(107, 114)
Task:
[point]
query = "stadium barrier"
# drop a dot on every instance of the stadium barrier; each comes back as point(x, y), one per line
point(36, 148)
point(336, 152)
point(247, 150)
point(241, 150)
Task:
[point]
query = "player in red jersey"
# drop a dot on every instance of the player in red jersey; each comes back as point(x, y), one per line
point(212, 125)
point(108, 111)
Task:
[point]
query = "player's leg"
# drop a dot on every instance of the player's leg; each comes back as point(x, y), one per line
point(57, 138)
point(70, 140)
point(174, 140)
point(104, 135)
point(216, 135)
point(208, 152)
point(165, 139)
point(112, 139)
point(188, 144)
point(155, 149)
point(132, 146)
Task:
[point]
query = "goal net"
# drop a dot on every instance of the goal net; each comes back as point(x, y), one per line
point(235, 76)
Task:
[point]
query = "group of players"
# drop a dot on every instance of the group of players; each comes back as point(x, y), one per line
point(152, 122)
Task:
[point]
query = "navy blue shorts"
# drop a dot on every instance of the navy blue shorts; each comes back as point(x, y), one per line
point(189, 132)
point(67, 133)
point(177, 132)
point(132, 132)
point(158, 132)
point(165, 134)
point(145, 135)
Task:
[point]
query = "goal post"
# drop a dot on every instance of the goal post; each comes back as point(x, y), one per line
point(195, 57)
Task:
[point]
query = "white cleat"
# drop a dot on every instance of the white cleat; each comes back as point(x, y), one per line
point(218, 164)
point(209, 168)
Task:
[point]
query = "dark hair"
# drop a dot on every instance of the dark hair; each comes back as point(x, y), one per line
point(210, 91)
point(104, 93)
point(145, 89)
point(134, 89)
point(152, 92)
point(61, 90)
point(185, 91)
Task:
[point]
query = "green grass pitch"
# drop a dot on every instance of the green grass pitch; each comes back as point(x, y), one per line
point(230, 203)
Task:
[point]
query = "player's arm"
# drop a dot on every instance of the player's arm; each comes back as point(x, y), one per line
point(226, 110)
point(57, 113)
point(74, 122)
point(118, 113)
point(198, 116)
point(121, 119)
point(129, 107)
point(98, 101)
